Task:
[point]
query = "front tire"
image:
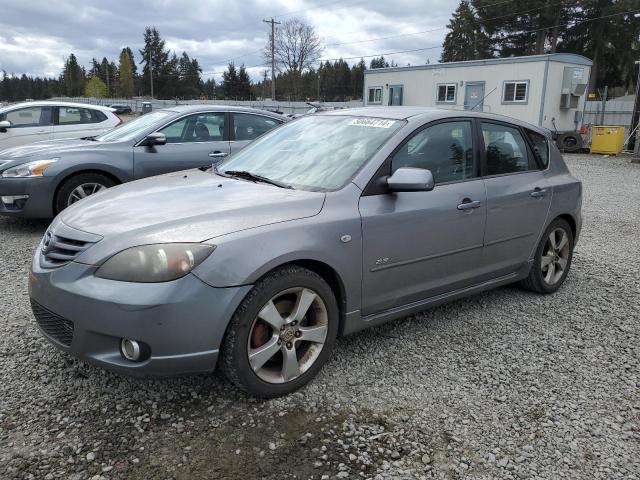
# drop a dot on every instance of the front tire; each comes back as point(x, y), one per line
point(552, 260)
point(281, 334)
point(78, 187)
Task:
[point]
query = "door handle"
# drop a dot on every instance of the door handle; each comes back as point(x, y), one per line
point(538, 192)
point(468, 204)
point(218, 154)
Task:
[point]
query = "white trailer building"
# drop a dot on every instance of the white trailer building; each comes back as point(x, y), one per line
point(545, 90)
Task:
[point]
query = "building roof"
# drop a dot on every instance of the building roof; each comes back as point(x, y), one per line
point(551, 57)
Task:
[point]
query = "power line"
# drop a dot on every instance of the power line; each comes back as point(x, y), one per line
point(444, 28)
point(471, 43)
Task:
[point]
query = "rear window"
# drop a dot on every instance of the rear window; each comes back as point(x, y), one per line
point(540, 147)
point(79, 116)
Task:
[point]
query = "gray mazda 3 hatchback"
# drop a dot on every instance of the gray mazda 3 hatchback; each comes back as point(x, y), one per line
point(331, 223)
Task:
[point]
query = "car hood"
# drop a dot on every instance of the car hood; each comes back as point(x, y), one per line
point(189, 206)
point(49, 148)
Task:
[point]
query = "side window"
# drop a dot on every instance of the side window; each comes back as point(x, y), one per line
point(247, 126)
point(506, 150)
point(29, 117)
point(201, 127)
point(540, 147)
point(79, 116)
point(445, 148)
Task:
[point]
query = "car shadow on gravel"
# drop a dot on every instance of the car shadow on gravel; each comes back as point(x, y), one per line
point(23, 225)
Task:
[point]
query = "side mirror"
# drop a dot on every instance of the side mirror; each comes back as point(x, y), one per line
point(156, 138)
point(409, 179)
point(4, 124)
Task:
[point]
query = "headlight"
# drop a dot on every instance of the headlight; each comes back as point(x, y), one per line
point(154, 263)
point(31, 169)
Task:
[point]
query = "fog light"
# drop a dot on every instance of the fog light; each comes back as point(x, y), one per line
point(11, 199)
point(130, 349)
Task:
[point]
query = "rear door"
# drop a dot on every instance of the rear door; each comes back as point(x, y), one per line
point(78, 122)
point(28, 125)
point(246, 127)
point(193, 141)
point(518, 197)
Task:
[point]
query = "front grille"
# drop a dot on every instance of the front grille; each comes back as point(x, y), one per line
point(58, 250)
point(54, 326)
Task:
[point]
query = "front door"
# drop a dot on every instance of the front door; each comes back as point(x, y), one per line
point(194, 141)
point(518, 199)
point(28, 125)
point(474, 96)
point(395, 95)
point(420, 244)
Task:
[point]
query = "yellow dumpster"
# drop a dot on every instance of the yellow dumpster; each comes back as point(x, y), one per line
point(607, 139)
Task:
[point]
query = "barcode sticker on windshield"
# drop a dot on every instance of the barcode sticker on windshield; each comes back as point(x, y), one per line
point(372, 122)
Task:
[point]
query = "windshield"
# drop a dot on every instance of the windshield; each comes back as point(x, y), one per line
point(314, 153)
point(131, 130)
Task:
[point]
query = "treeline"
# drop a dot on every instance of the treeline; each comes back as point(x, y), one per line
point(605, 31)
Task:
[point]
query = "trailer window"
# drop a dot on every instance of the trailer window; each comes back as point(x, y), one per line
point(447, 93)
point(375, 96)
point(515, 92)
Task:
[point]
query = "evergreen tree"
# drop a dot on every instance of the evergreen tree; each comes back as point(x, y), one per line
point(378, 62)
point(230, 82)
point(154, 50)
point(466, 39)
point(125, 74)
point(73, 77)
point(189, 74)
point(244, 84)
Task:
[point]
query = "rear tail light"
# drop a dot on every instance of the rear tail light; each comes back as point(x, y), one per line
point(120, 120)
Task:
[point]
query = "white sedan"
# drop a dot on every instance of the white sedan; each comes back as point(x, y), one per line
point(30, 122)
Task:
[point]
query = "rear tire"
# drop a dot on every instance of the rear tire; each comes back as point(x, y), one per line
point(552, 260)
point(73, 188)
point(272, 355)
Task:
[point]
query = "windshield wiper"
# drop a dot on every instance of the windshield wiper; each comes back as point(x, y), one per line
point(256, 178)
point(93, 138)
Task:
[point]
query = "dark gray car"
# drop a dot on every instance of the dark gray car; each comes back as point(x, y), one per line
point(332, 223)
point(41, 179)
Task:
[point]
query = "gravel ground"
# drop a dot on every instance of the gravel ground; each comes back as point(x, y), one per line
point(505, 384)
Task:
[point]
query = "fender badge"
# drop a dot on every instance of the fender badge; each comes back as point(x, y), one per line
point(345, 238)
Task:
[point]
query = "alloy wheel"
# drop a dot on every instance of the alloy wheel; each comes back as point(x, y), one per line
point(555, 256)
point(287, 335)
point(82, 191)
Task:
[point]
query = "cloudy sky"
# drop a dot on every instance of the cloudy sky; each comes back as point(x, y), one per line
point(37, 35)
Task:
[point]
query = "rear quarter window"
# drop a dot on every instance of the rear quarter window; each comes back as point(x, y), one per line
point(540, 146)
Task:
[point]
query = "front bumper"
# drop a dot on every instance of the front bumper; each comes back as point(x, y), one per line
point(40, 191)
point(182, 321)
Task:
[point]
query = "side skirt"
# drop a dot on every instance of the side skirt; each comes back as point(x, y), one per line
point(355, 322)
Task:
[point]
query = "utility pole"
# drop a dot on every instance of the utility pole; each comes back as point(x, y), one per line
point(318, 84)
point(273, 56)
point(150, 73)
point(604, 95)
point(635, 119)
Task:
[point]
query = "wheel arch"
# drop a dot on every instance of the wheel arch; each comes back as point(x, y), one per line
point(329, 275)
point(83, 171)
point(570, 220)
